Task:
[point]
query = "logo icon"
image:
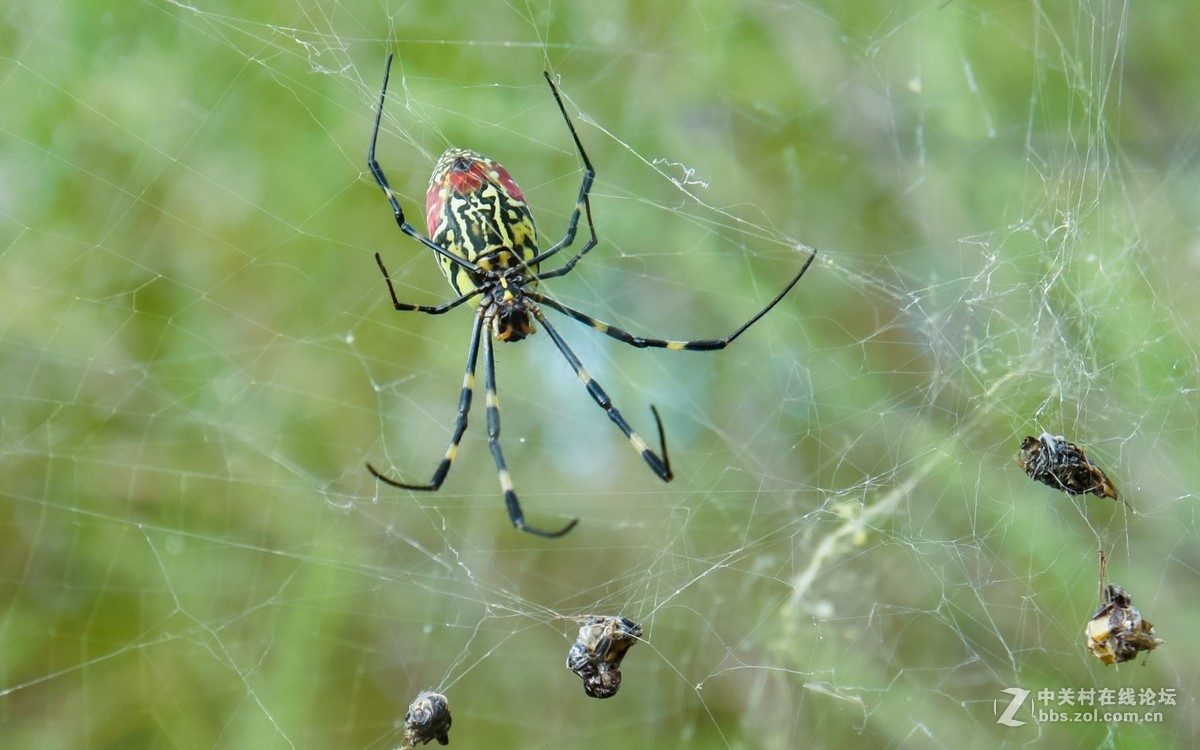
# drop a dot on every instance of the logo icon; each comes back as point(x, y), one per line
point(1018, 698)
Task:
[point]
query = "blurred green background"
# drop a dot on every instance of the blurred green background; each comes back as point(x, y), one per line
point(197, 357)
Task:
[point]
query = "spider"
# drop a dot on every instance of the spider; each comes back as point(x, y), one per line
point(483, 236)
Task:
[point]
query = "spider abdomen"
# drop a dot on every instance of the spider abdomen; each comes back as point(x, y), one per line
point(476, 211)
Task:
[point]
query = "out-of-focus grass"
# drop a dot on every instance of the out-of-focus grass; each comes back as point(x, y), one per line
point(197, 356)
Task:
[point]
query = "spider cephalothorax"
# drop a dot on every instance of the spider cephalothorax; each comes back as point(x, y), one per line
point(485, 240)
point(505, 308)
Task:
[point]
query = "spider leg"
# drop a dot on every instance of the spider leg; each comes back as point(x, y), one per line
point(380, 178)
point(698, 345)
point(660, 465)
point(430, 309)
point(460, 424)
point(493, 419)
point(570, 264)
point(582, 203)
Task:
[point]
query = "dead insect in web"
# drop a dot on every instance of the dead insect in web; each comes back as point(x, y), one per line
point(1055, 461)
point(598, 651)
point(428, 719)
point(1118, 632)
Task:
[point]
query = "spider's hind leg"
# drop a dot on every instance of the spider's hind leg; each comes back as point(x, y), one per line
point(506, 484)
point(660, 465)
point(460, 423)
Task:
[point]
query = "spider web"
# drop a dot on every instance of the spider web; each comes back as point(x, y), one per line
point(199, 357)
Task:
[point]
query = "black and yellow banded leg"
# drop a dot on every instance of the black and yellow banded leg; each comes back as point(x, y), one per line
point(660, 465)
point(582, 203)
point(429, 309)
point(641, 342)
point(586, 205)
point(381, 179)
point(493, 423)
point(460, 425)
